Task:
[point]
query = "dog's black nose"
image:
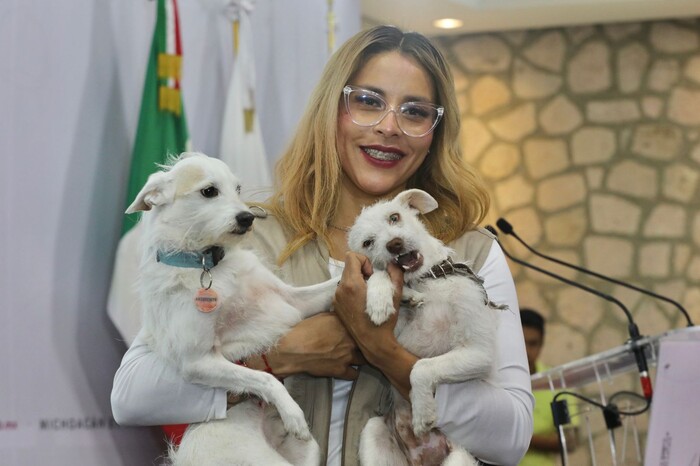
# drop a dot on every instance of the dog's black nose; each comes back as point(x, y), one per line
point(395, 246)
point(245, 219)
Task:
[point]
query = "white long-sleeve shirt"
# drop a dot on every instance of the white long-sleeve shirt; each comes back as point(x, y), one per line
point(148, 391)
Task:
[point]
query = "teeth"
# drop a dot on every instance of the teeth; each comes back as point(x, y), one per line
point(381, 155)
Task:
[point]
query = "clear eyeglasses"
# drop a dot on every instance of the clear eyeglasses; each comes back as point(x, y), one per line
point(367, 108)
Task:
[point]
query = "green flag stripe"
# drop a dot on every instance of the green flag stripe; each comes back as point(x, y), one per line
point(159, 132)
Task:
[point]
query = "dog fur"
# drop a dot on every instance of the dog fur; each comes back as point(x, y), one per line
point(191, 205)
point(449, 323)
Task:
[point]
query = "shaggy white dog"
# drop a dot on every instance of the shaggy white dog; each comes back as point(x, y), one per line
point(208, 302)
point(448, 322)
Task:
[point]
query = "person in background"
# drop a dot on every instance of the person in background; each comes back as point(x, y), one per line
point(544, 446)
point(383, 118)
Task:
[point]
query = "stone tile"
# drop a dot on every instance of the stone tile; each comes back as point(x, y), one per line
point(562, 345)
point(632, 61)
point(547, 51)
point(571, 301)
point(515, 124)
point(614, 214)
point(589, 72)
point(680, 183)
point(671, 38)
point(545, 156)
point(514, 192)
point(561, 192)
point(500, 161)
point(652, 106)
point(608, 255)
point(684, 106)
point(482, 53)
point(488, 93)
point(531, 83)
point(526, 222)
point(655, 260)
point(666, 221)
point(692, 69)
point(566, 229)
point(593, 145)
point(560, 116)
point(634, 179)
point(657, 141)
point(612, 111)
point(474, 137)
point(664, 74)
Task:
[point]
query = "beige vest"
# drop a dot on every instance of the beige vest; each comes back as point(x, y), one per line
point(370, 394)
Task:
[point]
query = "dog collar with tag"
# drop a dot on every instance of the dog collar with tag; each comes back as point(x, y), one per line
point(190, 259)
point(449, 267)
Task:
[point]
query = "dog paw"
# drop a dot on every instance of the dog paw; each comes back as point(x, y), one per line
point(379, 313)
point(295, 423)
point(423, 422)
point(412, 298)
point(424, 410)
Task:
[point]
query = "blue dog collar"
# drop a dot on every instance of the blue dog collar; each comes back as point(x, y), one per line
point(193, 260)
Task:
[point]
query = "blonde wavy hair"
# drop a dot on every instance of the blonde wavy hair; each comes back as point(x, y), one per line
point(308, 173)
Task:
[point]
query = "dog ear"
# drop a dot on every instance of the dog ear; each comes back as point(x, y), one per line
point(158, 190)
point(418, 199)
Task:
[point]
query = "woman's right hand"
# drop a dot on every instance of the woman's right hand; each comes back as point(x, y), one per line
point(319, 346)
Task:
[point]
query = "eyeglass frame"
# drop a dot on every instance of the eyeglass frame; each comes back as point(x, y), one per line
point(350, 88)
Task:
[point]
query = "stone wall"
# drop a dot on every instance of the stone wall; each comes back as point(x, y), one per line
point(589, 141)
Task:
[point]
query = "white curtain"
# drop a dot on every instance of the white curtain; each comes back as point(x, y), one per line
point(71, 74)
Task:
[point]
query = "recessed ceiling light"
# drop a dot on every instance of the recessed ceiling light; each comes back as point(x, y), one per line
point(448, 23)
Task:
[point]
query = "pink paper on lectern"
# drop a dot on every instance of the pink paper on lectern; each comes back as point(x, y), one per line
point(674, 426)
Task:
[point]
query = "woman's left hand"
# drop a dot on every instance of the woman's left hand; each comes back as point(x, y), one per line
point(377, 343)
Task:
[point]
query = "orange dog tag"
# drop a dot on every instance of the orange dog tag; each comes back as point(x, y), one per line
point(206, 300)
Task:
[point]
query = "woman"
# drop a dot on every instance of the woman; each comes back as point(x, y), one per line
point(383, 118)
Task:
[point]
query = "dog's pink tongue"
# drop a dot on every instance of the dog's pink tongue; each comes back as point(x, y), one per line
point(410, 261)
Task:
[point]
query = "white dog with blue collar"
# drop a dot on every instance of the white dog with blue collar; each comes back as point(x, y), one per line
point(208, 301)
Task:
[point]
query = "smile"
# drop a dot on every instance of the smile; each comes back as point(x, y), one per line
point(382, 155)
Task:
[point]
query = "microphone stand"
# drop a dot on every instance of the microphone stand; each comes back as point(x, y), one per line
point(633, 330)
point(507, 228)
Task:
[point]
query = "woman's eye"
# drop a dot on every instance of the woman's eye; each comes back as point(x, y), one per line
point(414, 111)
point(366, 100)
point(210, 191)
point(393, 218)
point(368, 243)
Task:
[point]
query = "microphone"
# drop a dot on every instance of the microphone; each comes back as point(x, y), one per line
point(507, 228)
point(633, 330)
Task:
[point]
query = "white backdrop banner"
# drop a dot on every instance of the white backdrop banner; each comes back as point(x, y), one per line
point(71, 76)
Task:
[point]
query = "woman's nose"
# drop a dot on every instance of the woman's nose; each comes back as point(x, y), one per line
point(389, 125)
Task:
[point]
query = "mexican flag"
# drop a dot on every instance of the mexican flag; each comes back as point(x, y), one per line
point(162, 130)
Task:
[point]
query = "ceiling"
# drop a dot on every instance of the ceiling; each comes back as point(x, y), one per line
point(500, 15)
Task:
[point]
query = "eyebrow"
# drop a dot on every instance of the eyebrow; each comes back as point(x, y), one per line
point(407, 98)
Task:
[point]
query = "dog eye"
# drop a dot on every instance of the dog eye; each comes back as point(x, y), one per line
point(368, 243)
point(210, 191)
point(238, 189)
point(393, 218)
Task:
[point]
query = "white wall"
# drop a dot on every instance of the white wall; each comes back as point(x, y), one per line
point(71, 74)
